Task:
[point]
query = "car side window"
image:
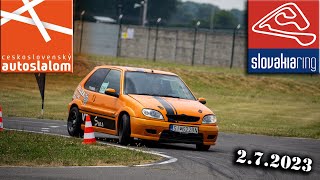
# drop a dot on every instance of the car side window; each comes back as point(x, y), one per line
point(96, 79)
point(111, 81)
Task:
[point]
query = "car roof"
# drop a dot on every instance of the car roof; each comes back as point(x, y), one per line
point(136, 69)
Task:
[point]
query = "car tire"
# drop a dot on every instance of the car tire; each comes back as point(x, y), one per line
point(202, 147)
point(74, 123)
point(125, 130)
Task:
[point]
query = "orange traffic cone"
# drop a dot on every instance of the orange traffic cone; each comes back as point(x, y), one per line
point(88, 137)
point(1, 123)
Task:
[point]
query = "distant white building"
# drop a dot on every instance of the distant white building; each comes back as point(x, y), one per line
point(103, 19)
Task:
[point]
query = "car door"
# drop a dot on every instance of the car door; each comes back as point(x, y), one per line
point(99, 106)
point(91, 88)
point(106, 106)
point(109, 104)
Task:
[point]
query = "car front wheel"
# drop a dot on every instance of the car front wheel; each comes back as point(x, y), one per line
point(124, 130)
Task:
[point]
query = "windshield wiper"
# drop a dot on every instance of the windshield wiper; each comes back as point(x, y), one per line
point(144, 94)
point(159, 95)
point(169, 96)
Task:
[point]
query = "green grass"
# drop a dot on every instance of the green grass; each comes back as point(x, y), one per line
point(277, 105)
point(29, 149)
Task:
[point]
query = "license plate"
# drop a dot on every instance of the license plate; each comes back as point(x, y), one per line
point(184, 129)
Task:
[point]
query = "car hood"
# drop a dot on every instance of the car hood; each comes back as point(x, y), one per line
point(173, 106)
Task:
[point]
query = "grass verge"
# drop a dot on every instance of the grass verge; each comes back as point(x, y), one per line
point(277, 105)
point(30, 149)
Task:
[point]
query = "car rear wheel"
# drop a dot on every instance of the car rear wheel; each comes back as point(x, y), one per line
point(74, 123)
point(125, 130)
point(202, 147)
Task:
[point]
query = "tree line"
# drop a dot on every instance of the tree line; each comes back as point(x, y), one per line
point(174, 13)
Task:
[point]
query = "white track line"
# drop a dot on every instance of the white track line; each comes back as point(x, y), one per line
point(170, 159)
point(32, 122)
point(27, 20)
point(38, 23)
point(54, 126)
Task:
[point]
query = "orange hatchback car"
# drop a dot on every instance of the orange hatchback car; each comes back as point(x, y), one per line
point(141, 103)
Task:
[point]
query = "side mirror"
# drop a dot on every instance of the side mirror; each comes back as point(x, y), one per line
point(111, 92)
point(202, 100)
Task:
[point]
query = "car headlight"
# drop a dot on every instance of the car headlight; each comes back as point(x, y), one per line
point(209, 119)
point(152, 113)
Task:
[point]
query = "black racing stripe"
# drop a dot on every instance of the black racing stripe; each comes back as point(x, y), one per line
point(166, 105)
point(175, 111)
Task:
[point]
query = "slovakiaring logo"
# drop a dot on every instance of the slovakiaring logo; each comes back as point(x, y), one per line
point(283, 36)
point(36, 36)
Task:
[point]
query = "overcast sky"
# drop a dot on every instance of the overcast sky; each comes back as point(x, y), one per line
point(224, 4)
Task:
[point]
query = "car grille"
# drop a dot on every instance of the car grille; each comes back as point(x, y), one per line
point(184, 118)
point(168, 136)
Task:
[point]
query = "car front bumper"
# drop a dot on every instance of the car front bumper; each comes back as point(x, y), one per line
point(158, 130)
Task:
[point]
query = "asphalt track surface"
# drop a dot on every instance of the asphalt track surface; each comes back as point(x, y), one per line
point(217, 163)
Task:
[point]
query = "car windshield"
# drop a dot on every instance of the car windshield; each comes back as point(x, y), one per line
point(151, 84)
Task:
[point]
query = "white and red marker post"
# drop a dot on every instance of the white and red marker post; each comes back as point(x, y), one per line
point(88, 137)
